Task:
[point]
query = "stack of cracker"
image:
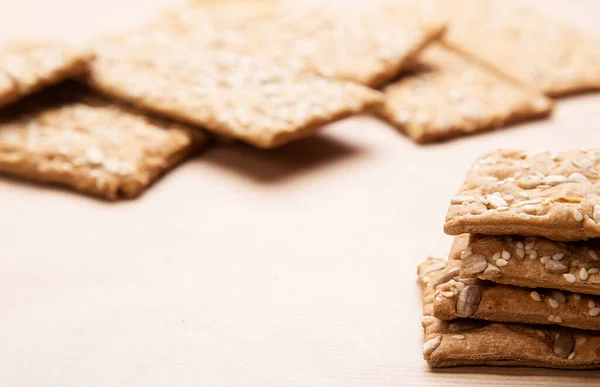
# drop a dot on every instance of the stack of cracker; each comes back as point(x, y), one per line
point(522, 283)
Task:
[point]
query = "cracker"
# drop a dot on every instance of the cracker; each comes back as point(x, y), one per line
point(255, 99)
point(449, 95)
point(477, 342)
point(369, 45)
point(554, 195)
point(68, 137)
point(27, 67)
point(534, 262)
point(460, 297)
point(553, 56)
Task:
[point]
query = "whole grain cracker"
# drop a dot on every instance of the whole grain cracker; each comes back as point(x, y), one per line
point(461, 297)
point(477, 342)
point(535, 193)
point(69, 137)
point(369, 45)
point(27, 67)
point(533, 262)
point(261, 100)
point(553, 56)
point(447, 94)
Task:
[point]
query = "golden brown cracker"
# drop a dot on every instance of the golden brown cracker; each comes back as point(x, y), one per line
point(257, 99)
point(27, 67)
point(477, 342)
point(532, 262)
point(448, 95)
point(553, 56)
point(69, 137)
point(537, 193)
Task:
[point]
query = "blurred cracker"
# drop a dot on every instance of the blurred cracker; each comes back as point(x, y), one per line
point(69, 137)
point(553, 56)
point(448, 95)
point(27, 67)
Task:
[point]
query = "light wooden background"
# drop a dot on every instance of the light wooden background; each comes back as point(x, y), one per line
point(289, 268)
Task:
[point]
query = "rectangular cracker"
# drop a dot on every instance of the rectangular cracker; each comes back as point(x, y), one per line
point(27, 67)
point(477, 342)
point(69, 137)
point(251, 98)
point(462, 297)
point(532, 262)
point(448, 95)
point(367, 45)
point(554, 195)
point(553, 56)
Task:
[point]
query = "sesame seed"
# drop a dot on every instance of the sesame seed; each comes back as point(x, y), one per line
point(501, 262)
point(572, 355)
point(576, 296)
point(94, 156)
point(505, 254)
point(467, 253)
point(575, 262)
point(533, 254)
point(553, 303)
point(583, 274)
point(594, 312)
point(530, 246)
point(497, 255)
point(520, 245)
point(551, 318)
point(502, 208)
point(530, 209)
point(593, 254)
point(462, 199)
point(531, 201)
point(524, 194)
point(457, 337)
point(448, 294)
point(592, 304)
point(496, 201)
point(536, 296)
point(570, 277)
point(577, 215)
point(540, 333)
point(545, 259)
point(593, 270)
point(558, 257)
point(553, 180)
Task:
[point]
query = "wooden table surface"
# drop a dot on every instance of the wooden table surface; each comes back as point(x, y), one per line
point(289, 268)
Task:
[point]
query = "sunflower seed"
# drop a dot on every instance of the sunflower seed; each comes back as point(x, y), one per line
point(446, 276)
point(570, 277)
point(465, 325)
point(556, 267)
point(563, 344)
point(536, 296)
point(468, 301)
point(473, 265)
point(430, 345)
point(492, 271)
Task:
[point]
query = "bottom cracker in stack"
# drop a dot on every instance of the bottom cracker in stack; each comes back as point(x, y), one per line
point(466, 341)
